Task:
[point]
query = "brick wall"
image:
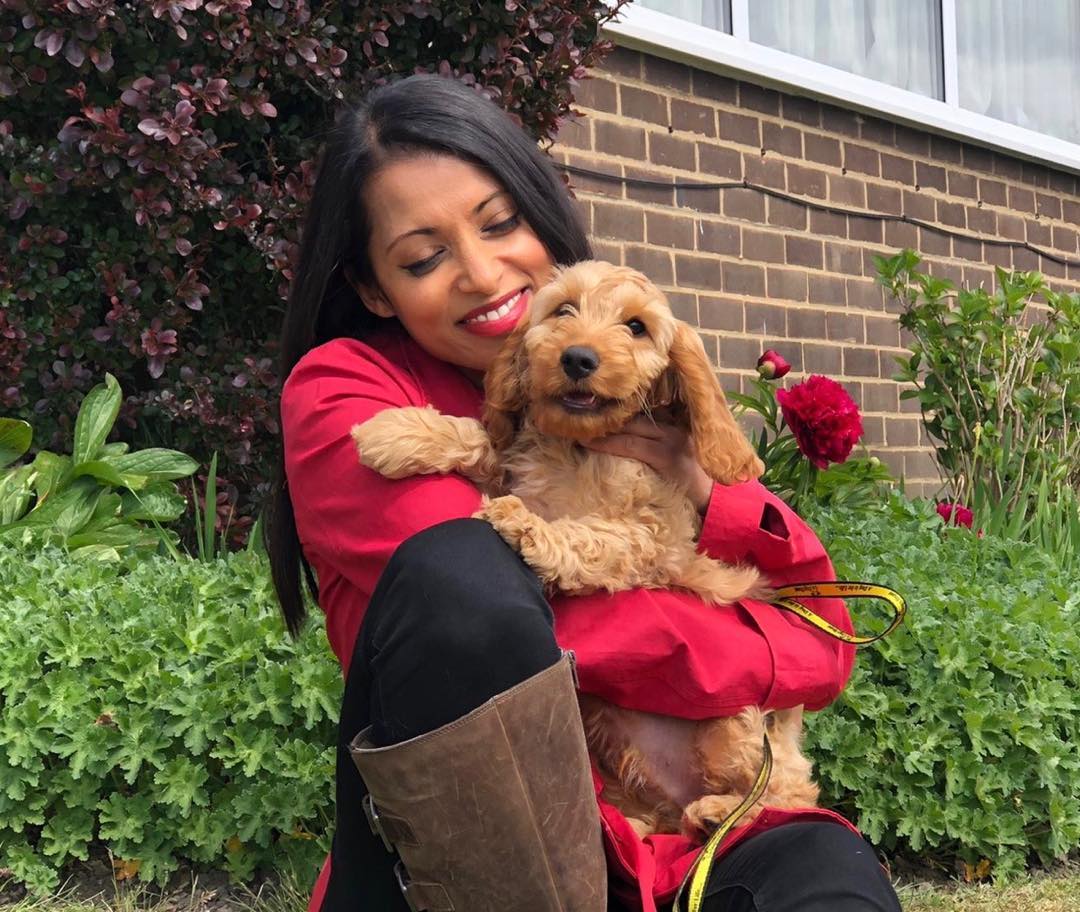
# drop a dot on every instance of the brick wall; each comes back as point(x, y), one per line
point(754, 272)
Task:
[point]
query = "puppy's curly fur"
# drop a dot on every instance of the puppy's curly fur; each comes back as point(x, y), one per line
point(600, 347)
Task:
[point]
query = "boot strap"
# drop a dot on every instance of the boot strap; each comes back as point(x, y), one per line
point(422, 897)
point(393, 831)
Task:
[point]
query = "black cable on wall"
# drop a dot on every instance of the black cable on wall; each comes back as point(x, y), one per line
point(813, 204)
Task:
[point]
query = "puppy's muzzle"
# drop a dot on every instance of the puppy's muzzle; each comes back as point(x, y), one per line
point(579, 361)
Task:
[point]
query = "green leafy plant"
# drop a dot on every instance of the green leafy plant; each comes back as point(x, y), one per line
point(97, 501)
point(159, 712)
point(957, 738)
point(1049, 516)
point(208, 546)
point(997, 377)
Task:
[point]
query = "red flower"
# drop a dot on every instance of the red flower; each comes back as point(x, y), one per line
point(961, 517)
point(772, 366)
point(823, 418)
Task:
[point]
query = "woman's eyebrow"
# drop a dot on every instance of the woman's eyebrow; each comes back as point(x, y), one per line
point(428, 231)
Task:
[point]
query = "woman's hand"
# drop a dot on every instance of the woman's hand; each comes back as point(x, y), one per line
point(663, 447)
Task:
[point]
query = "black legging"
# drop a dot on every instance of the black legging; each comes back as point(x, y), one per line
point(456, 618)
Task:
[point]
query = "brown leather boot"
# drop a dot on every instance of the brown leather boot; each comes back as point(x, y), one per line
point(494, 812)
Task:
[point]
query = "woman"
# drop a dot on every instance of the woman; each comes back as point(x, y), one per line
point(433, 219)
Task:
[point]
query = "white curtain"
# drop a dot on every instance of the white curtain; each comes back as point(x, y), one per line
point(711, 13)
point(893, 41)
point(1020, 62)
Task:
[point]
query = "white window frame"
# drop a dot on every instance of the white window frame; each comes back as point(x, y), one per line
point(734, 55)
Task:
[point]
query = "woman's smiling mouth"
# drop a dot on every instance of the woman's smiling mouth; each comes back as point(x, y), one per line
point(500, 319)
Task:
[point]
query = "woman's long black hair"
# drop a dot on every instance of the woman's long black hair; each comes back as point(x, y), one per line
point(421, 114)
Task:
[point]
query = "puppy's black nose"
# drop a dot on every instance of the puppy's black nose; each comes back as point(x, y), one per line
point(578, 361)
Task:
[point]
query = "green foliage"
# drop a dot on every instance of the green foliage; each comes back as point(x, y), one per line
point(207, 545)
point(997, 377)
point(162, 710)
point(96, 501)
point(957, 736)
point(1048, 515)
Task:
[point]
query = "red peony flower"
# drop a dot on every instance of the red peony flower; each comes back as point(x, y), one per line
point(772, 366)
point(823, 417)
point(961, 517)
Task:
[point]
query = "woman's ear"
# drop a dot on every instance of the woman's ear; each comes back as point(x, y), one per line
point(721, 447)
point(504, 389)
point(371, 296)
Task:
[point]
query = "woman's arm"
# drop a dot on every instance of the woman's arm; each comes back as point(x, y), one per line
point(719, 662)
point(349, 518)
point(669, 653)
point(746, 523)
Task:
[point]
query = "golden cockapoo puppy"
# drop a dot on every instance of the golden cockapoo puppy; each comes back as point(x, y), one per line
point(601, 346)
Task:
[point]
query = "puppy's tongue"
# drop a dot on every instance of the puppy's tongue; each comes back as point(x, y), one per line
point(580, 398)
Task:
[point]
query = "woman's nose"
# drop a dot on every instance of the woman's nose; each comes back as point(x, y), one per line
point(480, 270)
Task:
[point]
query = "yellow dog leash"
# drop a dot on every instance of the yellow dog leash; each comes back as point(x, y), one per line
point(698, 875)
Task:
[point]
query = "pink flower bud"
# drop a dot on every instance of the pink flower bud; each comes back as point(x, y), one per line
point(772, 366)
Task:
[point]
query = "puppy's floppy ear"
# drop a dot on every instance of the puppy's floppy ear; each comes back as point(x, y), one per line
point(722, 449)
point(504, 389)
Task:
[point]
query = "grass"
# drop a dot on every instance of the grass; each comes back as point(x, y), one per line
point(201, 893)
point(1058, 891)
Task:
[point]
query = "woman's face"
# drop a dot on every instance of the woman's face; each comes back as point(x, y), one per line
point(453, 260)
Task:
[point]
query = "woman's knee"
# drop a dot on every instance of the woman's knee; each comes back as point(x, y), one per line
point(458, 588)
point(823, 844)
point(807, 866)
point(451, 552)
point(456, 619)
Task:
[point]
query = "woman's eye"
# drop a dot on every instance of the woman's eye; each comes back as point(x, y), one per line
point(505, 225)
point(422, 267)
point(636, 327)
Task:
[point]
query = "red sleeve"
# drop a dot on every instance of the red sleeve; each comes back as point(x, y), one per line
point(746, 523)
point(349, 518)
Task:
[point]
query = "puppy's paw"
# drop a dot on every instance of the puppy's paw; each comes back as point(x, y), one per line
point(509, 516)
point(379, 442)
point(401, 442)
point(702, 817)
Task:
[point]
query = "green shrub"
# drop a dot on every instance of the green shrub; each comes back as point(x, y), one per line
point(957, 737)
point(997, 377)
point(162, 712)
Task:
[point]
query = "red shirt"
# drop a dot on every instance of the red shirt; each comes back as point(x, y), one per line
point(652, 650)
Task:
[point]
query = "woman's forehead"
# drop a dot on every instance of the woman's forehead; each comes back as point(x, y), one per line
point(419, 192)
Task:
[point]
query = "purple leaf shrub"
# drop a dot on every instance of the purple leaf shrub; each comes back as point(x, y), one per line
point(155, 162)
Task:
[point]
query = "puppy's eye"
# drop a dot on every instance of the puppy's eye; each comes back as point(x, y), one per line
point(565, 310)
point(636, 327)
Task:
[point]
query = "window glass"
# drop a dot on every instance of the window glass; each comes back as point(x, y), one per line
point(1020, 62)
point(712, 13)
point(893, 41)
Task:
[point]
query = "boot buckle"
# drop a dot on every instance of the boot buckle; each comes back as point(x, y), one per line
point(372, 815)
point(422, 897)
point(403, 885)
